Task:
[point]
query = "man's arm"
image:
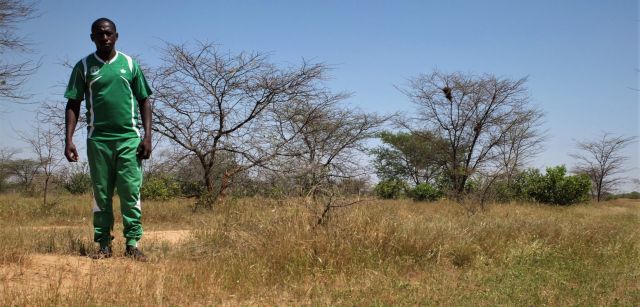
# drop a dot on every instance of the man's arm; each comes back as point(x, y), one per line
point(144, 150)
point(72, 112)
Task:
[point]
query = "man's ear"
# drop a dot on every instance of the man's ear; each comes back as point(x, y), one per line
point(91, 36)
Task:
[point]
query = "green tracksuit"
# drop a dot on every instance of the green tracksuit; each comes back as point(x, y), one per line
point(112, 90)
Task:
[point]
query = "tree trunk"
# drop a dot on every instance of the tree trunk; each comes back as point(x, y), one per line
point(599, 189)
point(223, 186)
point(208, 182)
point(207, 197)
point(46, 189)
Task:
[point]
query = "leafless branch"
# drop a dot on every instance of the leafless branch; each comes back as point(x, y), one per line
point(13, 75)
point(46, 144)
point(602, 160)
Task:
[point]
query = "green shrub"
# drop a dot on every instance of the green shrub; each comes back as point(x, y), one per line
point(444, 184)
point(630, 195)
point(159, 188)
point(504, 192)
point(390, 189)
point(78, 183)
point(424, 192)
point(555, 187)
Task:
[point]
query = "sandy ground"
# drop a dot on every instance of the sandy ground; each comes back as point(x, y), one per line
point(64, 273)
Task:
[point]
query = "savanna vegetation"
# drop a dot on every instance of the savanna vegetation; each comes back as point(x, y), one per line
point(259, 251)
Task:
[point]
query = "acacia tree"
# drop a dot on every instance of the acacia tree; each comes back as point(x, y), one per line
point(13, 74)
point(24, 171)
point(473, 114)
point(46, 144)
point(417, 156)
point(329, 143)
point(6, 159)
point(215, 105)
point(602, 160)
point(520, 144)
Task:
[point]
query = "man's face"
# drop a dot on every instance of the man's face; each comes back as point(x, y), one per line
point(104, 36)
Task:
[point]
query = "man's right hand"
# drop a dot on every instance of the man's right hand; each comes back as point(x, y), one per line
point(71, 152)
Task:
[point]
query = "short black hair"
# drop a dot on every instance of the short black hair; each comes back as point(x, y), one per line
point(101, 20)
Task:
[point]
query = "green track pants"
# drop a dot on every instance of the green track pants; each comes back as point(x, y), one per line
point(114, 164)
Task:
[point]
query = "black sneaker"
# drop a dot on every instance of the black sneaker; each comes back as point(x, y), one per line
point(134, 253)
point(103, 253)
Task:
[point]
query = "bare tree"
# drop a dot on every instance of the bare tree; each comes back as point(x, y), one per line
point(602, 160)
point(521, 143)
point(211, 103)
point(6, 159)
point(327, 150)
point(330, 142)
point(474, 114)
point(14, 74)
point(46, 144)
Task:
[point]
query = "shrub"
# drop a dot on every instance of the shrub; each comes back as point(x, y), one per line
point(390, 189)
point(190, 188)
point(555, 187)
point(78, 183)
point(504, 192)
point(424, 192)
point(159, 188)
point(630, 195)
point(444, 184)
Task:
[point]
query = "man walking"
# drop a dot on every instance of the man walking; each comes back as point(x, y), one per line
point(114, 89)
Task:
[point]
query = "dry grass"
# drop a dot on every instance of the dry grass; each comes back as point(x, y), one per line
point(268, 252)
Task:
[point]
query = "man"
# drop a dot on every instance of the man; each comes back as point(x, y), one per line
point(114, 88)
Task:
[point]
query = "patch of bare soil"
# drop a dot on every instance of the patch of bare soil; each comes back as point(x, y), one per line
point(66, 273)
point(51, 272)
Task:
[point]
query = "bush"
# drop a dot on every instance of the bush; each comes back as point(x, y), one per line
point(159, 188)
point(555, 187)
point(630, 195)
point(190, 188)
point(444, 184)
point(424, 192)
point(390, 189)
point(504, 191)
point(78, 183)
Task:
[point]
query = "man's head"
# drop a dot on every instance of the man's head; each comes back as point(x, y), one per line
point(104, 35)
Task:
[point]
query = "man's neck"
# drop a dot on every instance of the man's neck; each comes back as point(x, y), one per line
point(106, 56)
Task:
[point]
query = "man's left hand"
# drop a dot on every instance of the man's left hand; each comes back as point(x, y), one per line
point(144, 149)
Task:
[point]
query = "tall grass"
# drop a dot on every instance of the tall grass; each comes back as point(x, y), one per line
point(266, 252)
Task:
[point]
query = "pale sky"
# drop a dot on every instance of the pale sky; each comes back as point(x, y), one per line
point(581, 57)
